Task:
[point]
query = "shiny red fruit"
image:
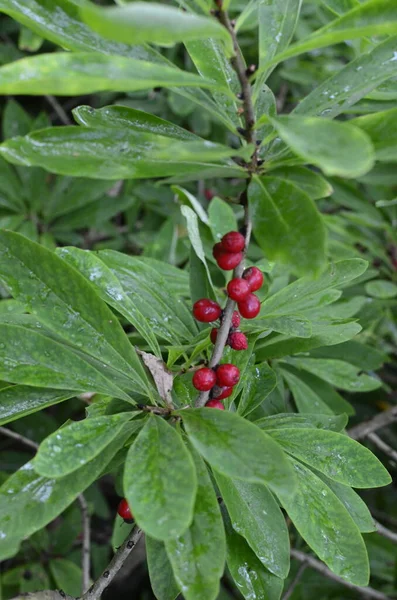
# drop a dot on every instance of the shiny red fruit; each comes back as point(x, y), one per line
point(237, 341)
point(233, 242)
point(250, 307)
point(227, 261)
point(220, 393)
point(204, 379)
point(209, 194)
point(238, 289)
point(124, 511)
point(217, 250)
point(227, 375)
point(254, 278)
point(215, 404)
point(236, 320)
point(213, 334)
point(206, 310)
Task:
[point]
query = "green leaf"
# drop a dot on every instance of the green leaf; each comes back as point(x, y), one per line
point(110, 290)
point(258, 383)
point(306, 400)
point(68, 448)
point(334, 454)
point(107, 154)
point(324, 523)
point(38, 500)
point(161, 576)
point(29, 358)
point(351, 83)
point(159, 463)
point(151, 22)
point(381, 128)
point(221, 218)
point(375, 17)
point(198, 555)
point(20, 400)
point(307, 293)
point(337, 148)
point(251, 578)
point(211, 62)
point(122, 117)
point(361, 355)
point(150, 288)
point(287, 225)
point(67, 575)
point(186, 198)
point(256, 516)
point(338, 373)
point(237, 448)
point(312, 183)
point(67, 304)
point(289, 325)
point(61, 23)
point(90, 72)
point(354, 505)
point(195, 240)
point(381, 289)
point(277, 23)
point(309, 420)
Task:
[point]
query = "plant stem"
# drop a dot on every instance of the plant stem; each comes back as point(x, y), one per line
point(382, 420)
point(366, 592)
point(381, 445)
point(295, 581)
point(238, 65)
point(95, 592)
point(19, 438)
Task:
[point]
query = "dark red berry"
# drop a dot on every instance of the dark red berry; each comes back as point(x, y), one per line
point(228, 260)
point(254, 278)
point(204, 379)
point(238, 289)
point(206, 310)
point(217, 250)
point(214, 335)
point(227, 375)
point(236, 320)
point(237, 341)
point(220, 393)
point(233, 242)
point(209, 194)
point(124, 511)
point(250, 307)
point(215, 404)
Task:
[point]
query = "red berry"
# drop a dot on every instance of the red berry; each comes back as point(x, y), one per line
point(238, 341)
point(250, 307)
point(254, 278)
point(206, 310)
point(227, 375)
point(238, 289)
point(214, 335)
point(204, 379)
point(124, 511)
point(220, 393)
point(209, 194)
point(236, 319)
point(233, 242)
point(228, 260)
point(215, 404)
point(217, 250)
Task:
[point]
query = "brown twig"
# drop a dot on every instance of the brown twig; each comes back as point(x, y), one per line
point(238, 65)
point(381, 445)
point(58, 108)
point(382, 420)
point(95, 592)
point(86, 547)
point(366, 592)
point(19, 438)
point(295, 581)
point(386, 533)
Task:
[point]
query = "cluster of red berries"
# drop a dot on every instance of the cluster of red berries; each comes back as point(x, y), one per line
point(124, 511)
point(228, 254)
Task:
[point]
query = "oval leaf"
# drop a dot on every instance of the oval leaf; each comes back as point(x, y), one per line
point(160, 481)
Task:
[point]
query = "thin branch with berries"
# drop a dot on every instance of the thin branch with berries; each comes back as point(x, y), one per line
point(218, 380)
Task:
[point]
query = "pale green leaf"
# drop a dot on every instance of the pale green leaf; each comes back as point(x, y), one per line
point(161, 576)
point(382, 129)
point(20, 400)
point(381, 289)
